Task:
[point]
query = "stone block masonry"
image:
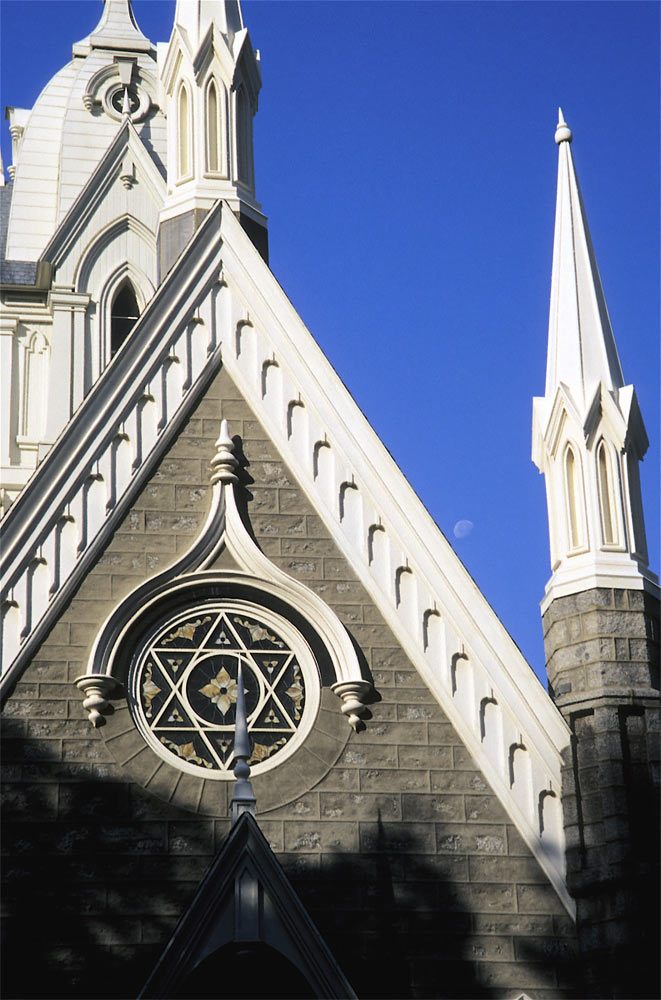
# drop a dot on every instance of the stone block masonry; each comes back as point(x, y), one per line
point(406, 861)
point(602, 649)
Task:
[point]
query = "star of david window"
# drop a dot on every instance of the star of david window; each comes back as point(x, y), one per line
point(117, 99)
point(183, 687)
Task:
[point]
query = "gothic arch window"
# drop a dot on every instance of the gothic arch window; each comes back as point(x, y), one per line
point(606, 496)
point(214, 128)
point(184, 133)
point(573, 494)
point(243, 137)
point(124, 315)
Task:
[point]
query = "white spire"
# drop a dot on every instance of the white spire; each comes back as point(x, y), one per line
point(581, 349)
point(588, 434)
point(195, 16)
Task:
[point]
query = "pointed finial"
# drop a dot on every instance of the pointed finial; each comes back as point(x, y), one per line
point(563, 132)
point(243, 796)
point(126, 104)
point(224, 461)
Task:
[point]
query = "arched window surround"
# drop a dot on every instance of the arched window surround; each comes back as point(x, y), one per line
point(574, 492)
point(184, 133)
point(607, 484)
point(143, 291)
point(215, 128)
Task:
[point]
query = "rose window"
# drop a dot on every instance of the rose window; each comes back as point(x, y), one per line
point(183, 687)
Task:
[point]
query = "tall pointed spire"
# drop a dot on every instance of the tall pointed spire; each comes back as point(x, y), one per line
point(588, 434)
point(581, 349)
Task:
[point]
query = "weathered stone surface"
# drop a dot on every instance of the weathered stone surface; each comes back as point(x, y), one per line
point(391, 836)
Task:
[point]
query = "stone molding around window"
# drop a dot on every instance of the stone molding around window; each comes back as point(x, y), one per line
point(210, 618)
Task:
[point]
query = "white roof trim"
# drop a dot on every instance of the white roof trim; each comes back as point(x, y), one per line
point(435, 609)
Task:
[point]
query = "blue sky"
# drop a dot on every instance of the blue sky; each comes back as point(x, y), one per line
point(405, 158)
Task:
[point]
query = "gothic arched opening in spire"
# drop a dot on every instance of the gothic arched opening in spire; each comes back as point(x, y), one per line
point(243, 137)
point(574, 494)
point(184, 133)
point(606, 496)
point(123, 316)
point(214, 128)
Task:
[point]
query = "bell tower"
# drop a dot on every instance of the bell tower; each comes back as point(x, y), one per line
point(600, 614)
point(211, 80)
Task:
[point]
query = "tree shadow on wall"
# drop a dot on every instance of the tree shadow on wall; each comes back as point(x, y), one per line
point(97, 873)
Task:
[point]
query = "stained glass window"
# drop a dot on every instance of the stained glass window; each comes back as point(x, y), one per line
point(183, 686)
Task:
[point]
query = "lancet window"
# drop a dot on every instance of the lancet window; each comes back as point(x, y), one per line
point(214, 128)
point(243, 137)
point(184, 132)
point(573, 493)
point(606, 496)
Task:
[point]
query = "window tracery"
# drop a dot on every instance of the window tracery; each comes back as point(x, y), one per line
point(183, 686)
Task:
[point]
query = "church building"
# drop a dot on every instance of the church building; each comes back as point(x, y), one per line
point(262, 734)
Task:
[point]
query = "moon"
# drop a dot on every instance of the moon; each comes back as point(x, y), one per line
point(462, 529)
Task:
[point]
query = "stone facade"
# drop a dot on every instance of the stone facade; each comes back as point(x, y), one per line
point(602, 650)
point(405, 859)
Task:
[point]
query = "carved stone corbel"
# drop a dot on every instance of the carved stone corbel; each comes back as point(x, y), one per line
point(98, 688)
point(353, 695)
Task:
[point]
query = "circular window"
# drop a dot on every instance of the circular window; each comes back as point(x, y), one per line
point(183, 687)
point(118, 97)
point(113, 95)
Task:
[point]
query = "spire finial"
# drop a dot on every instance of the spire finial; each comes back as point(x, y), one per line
point(243, 797)
point(224, 461)
point(562, 133)
point(126, 104)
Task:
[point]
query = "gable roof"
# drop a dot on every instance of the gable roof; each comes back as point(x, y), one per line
point(246, 897)
point(222, 301)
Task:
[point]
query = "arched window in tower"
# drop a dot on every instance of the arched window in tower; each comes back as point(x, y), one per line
point(184, 132)
point(123, 316)
point(606, 496)
point(243, 137)
point(213, 128)
point(573, 493)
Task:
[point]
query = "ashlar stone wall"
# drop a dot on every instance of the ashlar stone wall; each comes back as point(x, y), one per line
point(406, 860)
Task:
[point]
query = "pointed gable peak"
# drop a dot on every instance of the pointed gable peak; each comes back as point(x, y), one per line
point(246, 907)
point(581, 350)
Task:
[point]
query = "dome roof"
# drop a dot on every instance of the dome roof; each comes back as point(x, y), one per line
point(73, 122)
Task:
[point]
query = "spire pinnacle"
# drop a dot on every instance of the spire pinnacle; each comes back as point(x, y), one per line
point(126, 104)
point(581, 350)
point(562, 133)
point(224, 462)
